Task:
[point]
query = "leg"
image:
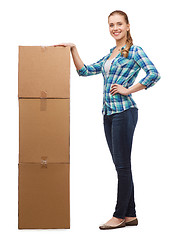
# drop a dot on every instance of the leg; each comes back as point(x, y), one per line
point(107, 122)
point(131, 205)
point(123, 125)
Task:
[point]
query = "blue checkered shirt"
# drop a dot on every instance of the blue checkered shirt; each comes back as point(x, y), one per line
point(122, 71)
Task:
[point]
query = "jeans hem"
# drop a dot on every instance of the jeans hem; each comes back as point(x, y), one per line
point(117, 216)
point(130, 215)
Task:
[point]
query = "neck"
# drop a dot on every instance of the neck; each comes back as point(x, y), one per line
point(120, 43)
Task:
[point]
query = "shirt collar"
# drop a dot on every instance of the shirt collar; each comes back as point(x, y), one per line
point(115, 47)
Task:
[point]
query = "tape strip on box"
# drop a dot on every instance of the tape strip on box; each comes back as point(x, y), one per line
point(44, 161)
point(43, 101)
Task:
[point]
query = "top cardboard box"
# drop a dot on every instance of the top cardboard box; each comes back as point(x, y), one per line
point(44, 72)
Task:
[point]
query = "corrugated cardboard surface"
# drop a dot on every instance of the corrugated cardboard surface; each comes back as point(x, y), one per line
point(44, 69)
point(44, 137)
point(44, 130)
point(43, 196)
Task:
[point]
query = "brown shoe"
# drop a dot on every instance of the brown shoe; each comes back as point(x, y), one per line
point(132, 222)
point(105, 226)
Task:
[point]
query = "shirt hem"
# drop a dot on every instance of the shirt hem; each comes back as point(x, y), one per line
point(119, 111)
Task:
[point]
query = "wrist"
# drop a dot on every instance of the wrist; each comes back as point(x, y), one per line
point(129, 91)
point(73, 47)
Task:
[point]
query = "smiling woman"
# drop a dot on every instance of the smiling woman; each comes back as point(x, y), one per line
point(120, 68)
point(118, 27)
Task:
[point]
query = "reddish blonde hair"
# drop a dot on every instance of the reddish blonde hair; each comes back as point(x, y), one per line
point(129, 41)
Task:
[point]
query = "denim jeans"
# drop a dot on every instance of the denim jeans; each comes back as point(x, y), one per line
point(119, 129)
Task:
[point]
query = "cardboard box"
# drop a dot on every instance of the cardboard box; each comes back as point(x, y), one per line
point(43, 196)
point(44, 137)
point(44, 130)
point(44, 71)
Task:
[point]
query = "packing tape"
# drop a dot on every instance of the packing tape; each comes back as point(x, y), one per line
point(44, 161)
point(43, 101)
point(43, 48)
point(43, 94)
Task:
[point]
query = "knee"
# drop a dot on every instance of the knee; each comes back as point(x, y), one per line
point(124, 170)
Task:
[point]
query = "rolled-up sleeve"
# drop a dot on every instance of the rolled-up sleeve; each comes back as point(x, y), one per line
point(92, 69)
point(152, 75)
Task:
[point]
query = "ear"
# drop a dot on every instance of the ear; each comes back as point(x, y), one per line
point(128, 27)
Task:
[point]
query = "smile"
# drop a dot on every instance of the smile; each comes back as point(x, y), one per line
point(116, 33)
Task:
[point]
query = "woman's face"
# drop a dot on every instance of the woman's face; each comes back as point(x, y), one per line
point(118, 27)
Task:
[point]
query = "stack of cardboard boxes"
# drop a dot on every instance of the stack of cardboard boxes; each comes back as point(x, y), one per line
point(44, 137)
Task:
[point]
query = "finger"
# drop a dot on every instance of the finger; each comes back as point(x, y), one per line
point(114, 86)
point(114, 93)
point(59, 45)
point(113, 89)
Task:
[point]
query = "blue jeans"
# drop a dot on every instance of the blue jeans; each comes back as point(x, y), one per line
point(119, 129)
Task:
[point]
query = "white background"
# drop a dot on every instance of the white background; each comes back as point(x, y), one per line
point(93, 178)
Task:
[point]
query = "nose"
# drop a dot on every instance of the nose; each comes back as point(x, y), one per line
point(115, 27)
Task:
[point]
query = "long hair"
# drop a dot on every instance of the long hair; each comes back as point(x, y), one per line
point(129, 41)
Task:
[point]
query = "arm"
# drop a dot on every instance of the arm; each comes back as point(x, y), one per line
point(76, 58)
point(152, 75)
point(91, 69)
point(135, 88)
point(117, 88)
point(85, 70)
point(82, 69)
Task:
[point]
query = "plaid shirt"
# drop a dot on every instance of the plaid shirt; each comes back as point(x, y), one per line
point(122, 71)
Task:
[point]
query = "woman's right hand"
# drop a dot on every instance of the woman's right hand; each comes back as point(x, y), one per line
point(71, 45)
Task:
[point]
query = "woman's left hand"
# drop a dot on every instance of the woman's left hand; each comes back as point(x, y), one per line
point(117, 88)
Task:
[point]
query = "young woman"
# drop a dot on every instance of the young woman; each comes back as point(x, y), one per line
point(120, 68)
